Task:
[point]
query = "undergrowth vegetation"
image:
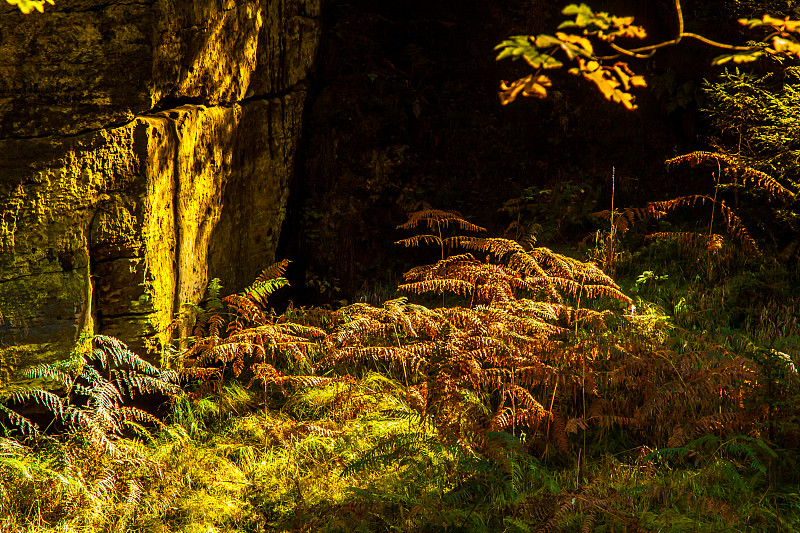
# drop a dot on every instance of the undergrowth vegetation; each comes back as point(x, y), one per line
point(512, 389)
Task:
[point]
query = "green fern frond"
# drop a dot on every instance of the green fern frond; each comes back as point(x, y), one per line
point(214, 289)
point(134, 382)
point(261, 290)
point(121, 356)
point(25, 426)
point(48, 372)
point(390, 449)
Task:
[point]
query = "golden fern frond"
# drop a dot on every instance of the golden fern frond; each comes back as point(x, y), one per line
point(462, 241)
point(514, 317)
point(356, 328)
point(532, 374)
point(494, 292)
point(697, 157)
point(438, 269)
point(510, 252)
point(497, 246)
point(532, 418)
point(488, 354)
point(302, 330)
point(597, 291)
point(417, 240)
point(395, 312)
point(266, 334)
point(502, 419)
point(541, 310)
point(675, 203)
point(592, 273)
point(229, 351)
point(245, 307)
point(202, 372)
point(307, 381)
point(434, 218)
point(565, 285)
point(525, 398)
point(466, 319)
point(757, 177)
point(373, 353)
point(533, 342)
point(266, 373)
point(422, 350)
point(439, 286)
point(558, 432)
point(559, 265)
point(762, 179)
point(479, 342)
point(215, 324)
point(273, 271)
point(712, 242)
point(625, 219)
point(596, 318)
point(733, 223)
point(737, 230)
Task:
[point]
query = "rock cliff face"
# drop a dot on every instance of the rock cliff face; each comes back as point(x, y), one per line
point(144, 146)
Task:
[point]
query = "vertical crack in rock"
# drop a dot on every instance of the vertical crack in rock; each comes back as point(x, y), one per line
point(176, 213)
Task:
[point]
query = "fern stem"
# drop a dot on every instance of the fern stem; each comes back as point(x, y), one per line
point(547, 433)
point(610, 249)
point(583, 355)
point(713, 209)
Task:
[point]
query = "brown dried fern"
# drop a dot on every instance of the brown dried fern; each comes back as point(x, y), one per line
point(755, 177)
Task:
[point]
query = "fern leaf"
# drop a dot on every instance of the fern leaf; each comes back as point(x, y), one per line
point(439, 286)
point(273, 271)
point(25, 426)
point(418, 240)
point(435, 218)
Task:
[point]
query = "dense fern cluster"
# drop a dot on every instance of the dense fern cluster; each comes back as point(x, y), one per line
point(86, 392)
point(530, 357)
point(530, 345)
point(240, 331)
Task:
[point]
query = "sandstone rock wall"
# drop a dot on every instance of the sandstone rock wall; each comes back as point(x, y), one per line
point(144, 146)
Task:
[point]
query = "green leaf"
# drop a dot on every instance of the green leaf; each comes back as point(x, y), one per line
point(752, 23)
point(544, 41)
point(544, 61)
point(739, 57)
point(523, 46)
point(572, 9)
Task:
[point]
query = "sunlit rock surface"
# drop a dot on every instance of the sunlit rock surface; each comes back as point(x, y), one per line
point(144, 146)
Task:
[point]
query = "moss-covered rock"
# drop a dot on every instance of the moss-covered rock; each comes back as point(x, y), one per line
point(160, 142)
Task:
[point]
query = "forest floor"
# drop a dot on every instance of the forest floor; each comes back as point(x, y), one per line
point(517, 408)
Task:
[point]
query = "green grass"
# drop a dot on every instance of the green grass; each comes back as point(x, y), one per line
point(344, 458)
